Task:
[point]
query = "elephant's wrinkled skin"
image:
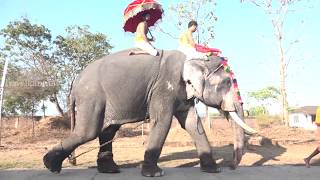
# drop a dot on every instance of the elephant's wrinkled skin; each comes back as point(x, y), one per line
point(119, 89)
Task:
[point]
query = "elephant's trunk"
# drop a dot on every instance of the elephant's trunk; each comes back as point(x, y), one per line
point(239, 137)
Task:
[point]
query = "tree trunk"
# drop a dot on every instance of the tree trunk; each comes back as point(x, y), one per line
point(55, 100)
point(32, 114)
point(283, 91)
point(44, 109)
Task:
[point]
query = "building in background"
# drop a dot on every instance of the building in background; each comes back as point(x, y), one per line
point(303, 117)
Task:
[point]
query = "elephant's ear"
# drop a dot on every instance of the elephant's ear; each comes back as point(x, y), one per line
point(194, 79)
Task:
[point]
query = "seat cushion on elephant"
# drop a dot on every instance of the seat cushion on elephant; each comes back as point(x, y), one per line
point(138, 51)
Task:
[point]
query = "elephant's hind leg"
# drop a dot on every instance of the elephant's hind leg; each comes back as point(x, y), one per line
point(89, 120)
point(105, 160)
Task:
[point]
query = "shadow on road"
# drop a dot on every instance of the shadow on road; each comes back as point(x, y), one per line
point(267, 152)
point(248, 173)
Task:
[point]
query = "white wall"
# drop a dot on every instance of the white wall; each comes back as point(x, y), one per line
point(301, 120)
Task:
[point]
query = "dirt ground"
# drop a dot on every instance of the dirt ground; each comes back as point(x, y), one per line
point(275, 145)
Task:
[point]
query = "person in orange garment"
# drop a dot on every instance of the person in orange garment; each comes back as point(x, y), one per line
point(317, 150)
point(141, 40)
point(187, 43)
point(192, 50)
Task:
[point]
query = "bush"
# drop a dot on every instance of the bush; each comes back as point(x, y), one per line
point(257, 110)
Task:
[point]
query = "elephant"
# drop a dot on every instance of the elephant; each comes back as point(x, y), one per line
point(119, 89)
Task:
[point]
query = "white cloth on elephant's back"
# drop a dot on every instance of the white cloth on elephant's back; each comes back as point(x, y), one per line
point(191, 52)
point(146, 47)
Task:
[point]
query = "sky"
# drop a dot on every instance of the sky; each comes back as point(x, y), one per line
point(243, 33)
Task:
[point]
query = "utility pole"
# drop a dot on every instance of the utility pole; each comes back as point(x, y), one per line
point(3, 81)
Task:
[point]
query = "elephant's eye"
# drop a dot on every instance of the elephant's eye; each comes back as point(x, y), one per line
point(229, 82)
point(226, 82)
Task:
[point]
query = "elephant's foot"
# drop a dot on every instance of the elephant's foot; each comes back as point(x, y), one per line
point(53, 160)
point(151, 171)
point(207, 164)
point(237, 156)
point(210, 169)
point(106, 164)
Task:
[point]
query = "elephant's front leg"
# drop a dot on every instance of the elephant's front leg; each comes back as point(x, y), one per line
point(238, 139)
point(161, 117)
point(238, 145)
point(191, 122)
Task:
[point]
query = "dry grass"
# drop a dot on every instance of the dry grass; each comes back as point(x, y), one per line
point(24, 151)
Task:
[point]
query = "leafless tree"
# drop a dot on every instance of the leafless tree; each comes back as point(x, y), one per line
point(277, 12)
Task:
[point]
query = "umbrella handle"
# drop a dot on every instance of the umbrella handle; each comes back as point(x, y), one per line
point(150, 34)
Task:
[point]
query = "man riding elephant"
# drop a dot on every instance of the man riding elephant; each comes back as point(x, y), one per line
point(119, 89)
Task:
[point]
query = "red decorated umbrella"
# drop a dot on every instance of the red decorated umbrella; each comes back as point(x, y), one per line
point(133, 14)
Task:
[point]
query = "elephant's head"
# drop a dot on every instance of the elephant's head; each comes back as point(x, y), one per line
point(212, 85)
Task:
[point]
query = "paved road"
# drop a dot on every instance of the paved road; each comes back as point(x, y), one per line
point(243, 173)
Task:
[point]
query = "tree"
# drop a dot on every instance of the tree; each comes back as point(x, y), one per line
point(30, 47)
point(24, 92)
point(277, 11)
point(265, 98)
point(12, 102)
point(257, 110)
point(75, 51)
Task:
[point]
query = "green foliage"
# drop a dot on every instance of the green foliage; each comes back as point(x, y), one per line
point(269, 92)
point(264, 98)
point(51, 64)
point(20, 104)
point(257, 110)
point(74, 51)
point(29, 46)
point(80, 47)
point(11, 105)
point(25, 41)
point(24, 91)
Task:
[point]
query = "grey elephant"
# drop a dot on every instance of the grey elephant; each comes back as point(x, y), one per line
point(119, 89)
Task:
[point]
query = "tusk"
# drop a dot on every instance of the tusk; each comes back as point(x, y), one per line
point(240, 122)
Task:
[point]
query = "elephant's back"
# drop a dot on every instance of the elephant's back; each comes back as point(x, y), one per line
point(122, 67)
point(127, 82)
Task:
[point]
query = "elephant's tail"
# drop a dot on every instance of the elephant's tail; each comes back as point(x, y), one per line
point(72, 100)
point(72, 112)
